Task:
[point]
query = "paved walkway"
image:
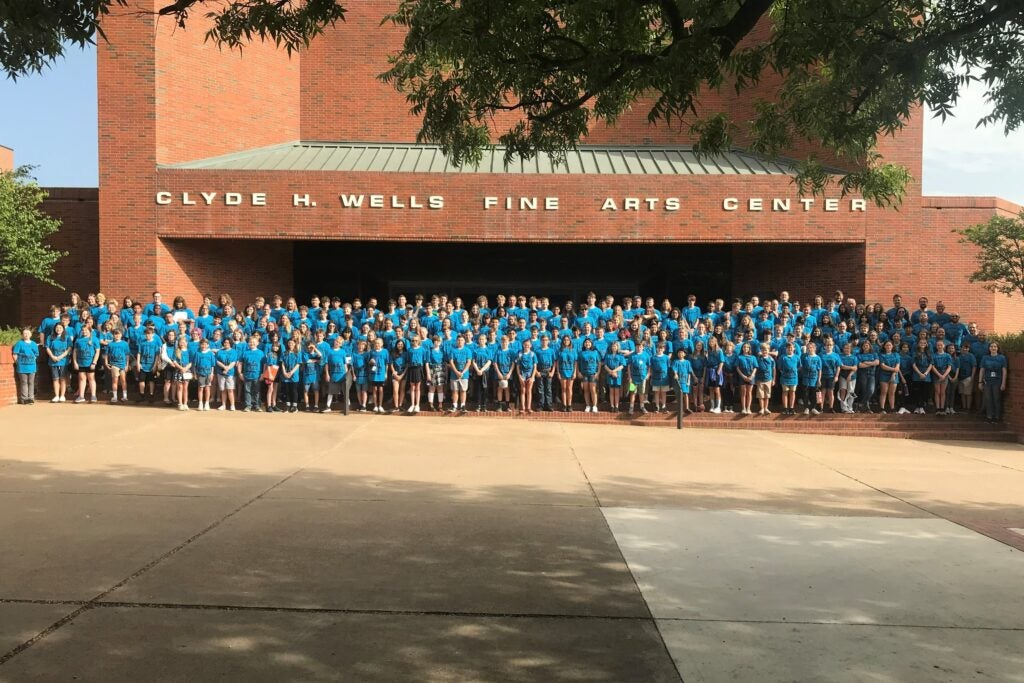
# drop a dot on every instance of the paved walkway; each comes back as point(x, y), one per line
point(143, 544)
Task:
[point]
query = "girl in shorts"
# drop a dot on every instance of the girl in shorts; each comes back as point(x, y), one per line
point(698, 363)
point(181, 364)
point(436, 374)
point(526, 369)
point(86, 353)
point(942, 366)
point(660, 377)
point(888, 377)
point(272, 373)
point(399, 370)
point(378, 362)
point(58, 347)
point(589, 365)
point(566, 359)
point(504, 366)
point(614, 366)
point(203, 365)
point(682, 373)
point(414, 375)
point(117, 363)
point(746, 373)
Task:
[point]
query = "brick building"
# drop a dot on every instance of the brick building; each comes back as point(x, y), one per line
point(261, 173)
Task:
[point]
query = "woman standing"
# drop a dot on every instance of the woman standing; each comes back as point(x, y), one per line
point(58, 347)
point(993, 382)
point(566, 360)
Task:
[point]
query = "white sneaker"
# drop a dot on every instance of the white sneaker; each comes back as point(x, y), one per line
point(417, 407)
point(815, 411)
point(63, 399)
point(55, 399)
point(411, 410)
point(806, 411)
point(114, 399)
point(222, 407)
point(124, 398)
point(902, 411)
point(715, 410)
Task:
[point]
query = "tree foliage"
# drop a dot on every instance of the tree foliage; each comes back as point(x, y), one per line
point(843, 73)
point(1001, 253)
point(24, 229)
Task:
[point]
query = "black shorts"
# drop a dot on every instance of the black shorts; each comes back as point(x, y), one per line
point(87, 370)
point(828, 382)
point(379, 385)
point(415, 374)
point(147, 376)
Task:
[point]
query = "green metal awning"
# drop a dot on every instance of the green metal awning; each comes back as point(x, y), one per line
point(411, 158)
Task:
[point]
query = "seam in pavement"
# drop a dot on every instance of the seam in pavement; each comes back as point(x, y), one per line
point(895, 497)
point(68, 618)
point(171, 606)
point(622, 556)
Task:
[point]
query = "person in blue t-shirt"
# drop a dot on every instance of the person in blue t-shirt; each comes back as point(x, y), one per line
point(58, 348)
point(181, 362)
point(336, 377)
point(810, 378)
point(250, 365)
point(888, 376)
point(867, 373)
point(660, 377)
point(682, 373)
point(638, 369)
point(546, 372)
point(921, 375)
point(226, 362)
point(992, 377)
point(436, 373)
point(118, 353)
point(480, 371)
point(202, 366)
point(378, 362)
point(589, 362)
point(746, 374)
point(968, 366)
point(291, 374)
point(765, 377)
point(399, 358)
point(942, 367)
point(459, 362)
point(85, 356)
point(830, 363)
point(526, 369)
point(504, 365)
point(26, 353)
point(418, 355)
point(789, 375)
point(312, 359)
point(566, 360)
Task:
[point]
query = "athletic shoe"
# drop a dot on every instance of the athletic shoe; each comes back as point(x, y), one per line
point(815, 411)
point(124, 397)
point(643, 411)
point(63, 399)
point(715, 410)
point(114, 399)
point(417, 407)
point(222, 407)
point(55, 399)
point(247, 409)
point(232, 409)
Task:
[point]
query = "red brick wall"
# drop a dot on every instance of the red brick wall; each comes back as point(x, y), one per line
point(243, 268)
point(820, 269)
point(212, 101)
point(8, 379)
point(940, 217)
point(1013, 399)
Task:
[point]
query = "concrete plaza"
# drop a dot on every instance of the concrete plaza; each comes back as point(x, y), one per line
point(148, 544)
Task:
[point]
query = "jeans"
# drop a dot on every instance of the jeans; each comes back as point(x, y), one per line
point(26, 386)
point(478, 386)
point(251, 393)
point(865, 387)
point(544, 390)
point(993, 400)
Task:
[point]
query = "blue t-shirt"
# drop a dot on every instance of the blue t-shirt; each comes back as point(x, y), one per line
point(545, 359)
point(921, 364)
point(659, 368)
point(85, 351)
point(941, 361)
point(789, 369)
point(57, 346)
point(590, 362)
point(893, 361)
point(337, 364)
point(291, 360)
point(377, 364)
point(418, 356)
point(227, 356)
point(203, 362)
point(461, 359)
point(527, 363)
point(117, 354)
point(639, 365)
point(25, 355)
point(481, 355)
point(765, 369)
point(810, 370)
point(567, 362)
point(251, 361)
point(682, 371)
point(992, 367)
point(504, 360)
point(968, 363)
point(830, 363)
point(747, 365)
point(149, 352)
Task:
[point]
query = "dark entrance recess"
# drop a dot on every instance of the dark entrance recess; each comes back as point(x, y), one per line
point(558, 271)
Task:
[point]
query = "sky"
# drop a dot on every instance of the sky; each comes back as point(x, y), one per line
point(50, 121)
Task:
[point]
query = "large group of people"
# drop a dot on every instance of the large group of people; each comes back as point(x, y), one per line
point(516, 353)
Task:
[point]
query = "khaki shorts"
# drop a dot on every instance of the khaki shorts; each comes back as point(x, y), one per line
point(966, 387)
point(225, 383)
point(764, 390)
point(459, 384)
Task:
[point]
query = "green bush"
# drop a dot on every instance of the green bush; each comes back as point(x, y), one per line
point(9, 335)
point(1009, 342)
